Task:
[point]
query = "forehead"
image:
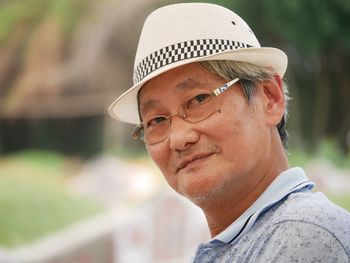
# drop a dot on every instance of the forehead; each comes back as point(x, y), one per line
point(171, 83)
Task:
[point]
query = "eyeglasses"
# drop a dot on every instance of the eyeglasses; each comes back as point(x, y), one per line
point(198, 108)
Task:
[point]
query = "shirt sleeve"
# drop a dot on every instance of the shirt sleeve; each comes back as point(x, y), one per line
point(294, 241)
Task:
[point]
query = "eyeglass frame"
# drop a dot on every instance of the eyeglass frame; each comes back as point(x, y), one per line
point(216, 92)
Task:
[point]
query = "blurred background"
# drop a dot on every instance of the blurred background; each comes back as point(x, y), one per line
point(74, 187)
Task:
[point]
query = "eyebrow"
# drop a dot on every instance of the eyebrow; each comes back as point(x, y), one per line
point(188, 83)
point(149, 104)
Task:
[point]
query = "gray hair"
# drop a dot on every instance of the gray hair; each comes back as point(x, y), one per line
point(249, 75)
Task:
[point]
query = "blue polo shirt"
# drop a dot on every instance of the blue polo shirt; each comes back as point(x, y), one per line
point(287, 223)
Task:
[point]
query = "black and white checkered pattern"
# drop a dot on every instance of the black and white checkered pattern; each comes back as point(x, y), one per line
point(184, 50)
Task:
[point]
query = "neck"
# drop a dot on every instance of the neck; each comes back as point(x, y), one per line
point(234, 200)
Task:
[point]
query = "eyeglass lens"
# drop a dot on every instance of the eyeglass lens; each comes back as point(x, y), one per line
point(195, 109)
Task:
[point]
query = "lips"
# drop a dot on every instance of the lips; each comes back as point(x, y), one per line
point(190, 160)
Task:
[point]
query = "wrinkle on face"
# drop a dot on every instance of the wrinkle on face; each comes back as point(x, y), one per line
point(148, 106)
point(187, 84)
point(194, 149)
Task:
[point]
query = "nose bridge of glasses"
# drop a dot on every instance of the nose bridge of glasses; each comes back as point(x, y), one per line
point(181, 111)
point(181, 114)
point(178, 126)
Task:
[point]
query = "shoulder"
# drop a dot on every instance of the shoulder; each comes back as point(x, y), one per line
point(314, 209)
point(309, 222)
point(305, 227)
point(294, 241)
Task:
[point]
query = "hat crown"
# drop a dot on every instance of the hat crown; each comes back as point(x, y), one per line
point(180, 23)
point(180, 34)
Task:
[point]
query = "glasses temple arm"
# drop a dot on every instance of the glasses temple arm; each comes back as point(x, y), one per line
point(224, 87)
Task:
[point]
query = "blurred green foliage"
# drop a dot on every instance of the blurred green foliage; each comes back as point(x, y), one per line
point(25, 14)
point(310, 25)
point(326, 150)
point(17, 13)
point(34, 199)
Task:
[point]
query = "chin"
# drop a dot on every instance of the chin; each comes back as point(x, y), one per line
point(205, 197)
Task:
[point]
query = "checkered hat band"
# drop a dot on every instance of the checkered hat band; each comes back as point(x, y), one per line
point(184, 50)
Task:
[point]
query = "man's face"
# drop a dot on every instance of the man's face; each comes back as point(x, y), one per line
point(219, 156)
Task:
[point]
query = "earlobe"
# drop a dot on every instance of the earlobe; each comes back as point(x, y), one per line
point(274, 100)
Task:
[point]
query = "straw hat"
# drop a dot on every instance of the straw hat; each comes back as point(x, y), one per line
point(180, 34)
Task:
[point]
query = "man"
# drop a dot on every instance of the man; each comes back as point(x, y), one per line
point(210, 105)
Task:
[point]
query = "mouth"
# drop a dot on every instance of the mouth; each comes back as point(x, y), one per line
point(192, 161)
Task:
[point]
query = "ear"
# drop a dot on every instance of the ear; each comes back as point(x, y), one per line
point(274, 100)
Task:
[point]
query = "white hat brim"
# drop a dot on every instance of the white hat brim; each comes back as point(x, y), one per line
point(125, 107)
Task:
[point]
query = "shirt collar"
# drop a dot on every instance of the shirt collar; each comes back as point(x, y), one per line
point(289, 181)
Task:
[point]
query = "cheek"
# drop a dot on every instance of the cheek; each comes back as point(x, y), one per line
point(161, 158)
point(239, 131)
point(156, 155)
point(228, 123)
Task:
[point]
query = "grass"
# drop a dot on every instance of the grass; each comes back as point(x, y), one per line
point(341, 200)
point(34, 200)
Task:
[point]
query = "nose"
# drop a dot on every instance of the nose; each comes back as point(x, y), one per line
point(182, 134)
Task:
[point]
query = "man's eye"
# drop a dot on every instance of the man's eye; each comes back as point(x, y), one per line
point(198, 100)
point(156, 121)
